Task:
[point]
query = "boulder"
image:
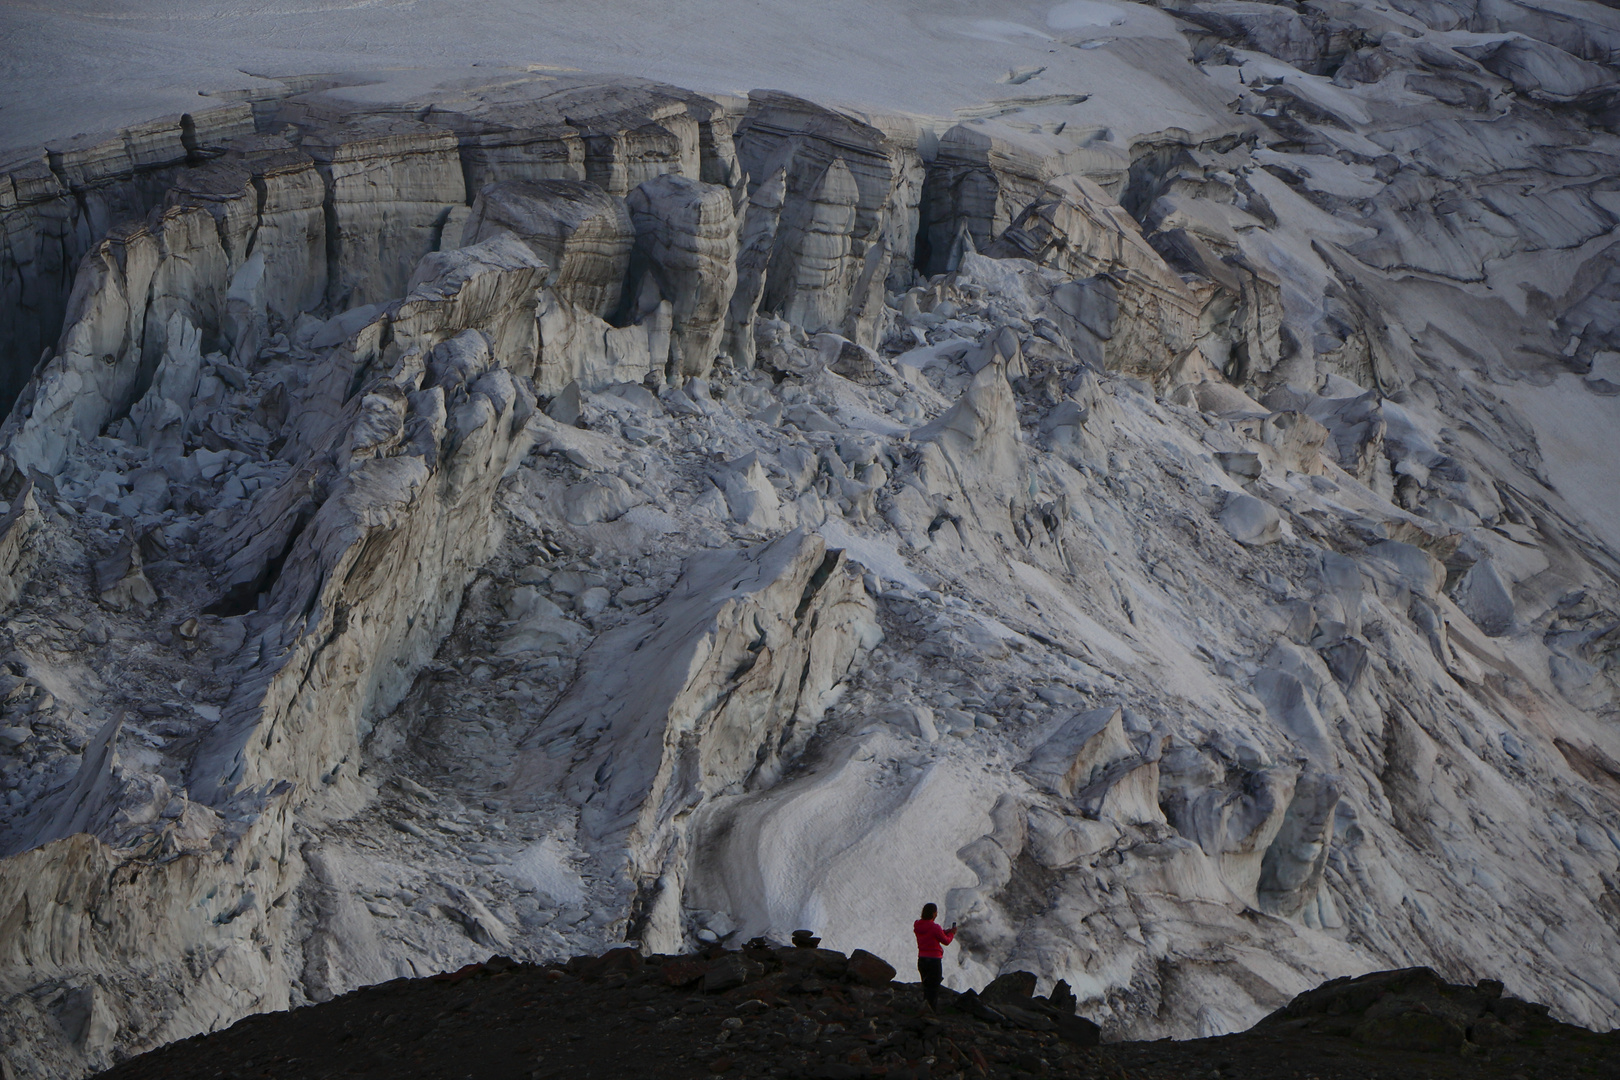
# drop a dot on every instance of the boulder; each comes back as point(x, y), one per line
point(730, 971)
point(624, 960)
point(802, 1031)
point(1411, 1030)
point(1488, 1031)
point(1077, 1030)
point(1020, 1017)
point(1412, 1010)
point(969, 1002)
point(1011, 987)
point(825, 962)
point(869, 970)
point(683, 971)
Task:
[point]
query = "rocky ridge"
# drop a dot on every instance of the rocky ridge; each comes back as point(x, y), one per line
point(815, 1013)
point(536, 513)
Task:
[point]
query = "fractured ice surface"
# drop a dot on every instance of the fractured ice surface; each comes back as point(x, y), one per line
point(526, 513)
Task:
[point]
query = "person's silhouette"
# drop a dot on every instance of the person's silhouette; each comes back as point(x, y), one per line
point(931, 942)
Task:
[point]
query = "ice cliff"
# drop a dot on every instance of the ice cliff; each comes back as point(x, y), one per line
point(445, 515)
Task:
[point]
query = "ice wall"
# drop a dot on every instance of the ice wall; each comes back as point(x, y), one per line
point(587, 510)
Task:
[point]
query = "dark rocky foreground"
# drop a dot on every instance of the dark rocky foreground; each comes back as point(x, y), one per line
point(816, 1013)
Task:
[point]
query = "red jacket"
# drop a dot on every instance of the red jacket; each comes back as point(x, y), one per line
point(931, 940)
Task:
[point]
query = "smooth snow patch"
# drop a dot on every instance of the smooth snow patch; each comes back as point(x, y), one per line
point(925, 356)
point(1053, 601)
point(1575, 429)
point(1076, 14)
point(892, 55)
point(882, 558)
point(548, 866)
point(1000, 30)
point(999, 628)
point(803, 853)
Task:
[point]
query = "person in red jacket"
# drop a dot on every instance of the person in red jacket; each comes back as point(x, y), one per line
point(931, 942)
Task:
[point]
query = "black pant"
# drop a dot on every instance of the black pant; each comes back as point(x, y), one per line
point(932, 970)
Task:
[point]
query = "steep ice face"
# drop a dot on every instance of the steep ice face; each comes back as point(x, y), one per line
point(588, 512)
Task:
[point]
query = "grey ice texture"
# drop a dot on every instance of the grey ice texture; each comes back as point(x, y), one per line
point(1139, 477)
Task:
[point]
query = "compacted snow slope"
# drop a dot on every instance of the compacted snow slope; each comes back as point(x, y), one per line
point(1139, 477)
